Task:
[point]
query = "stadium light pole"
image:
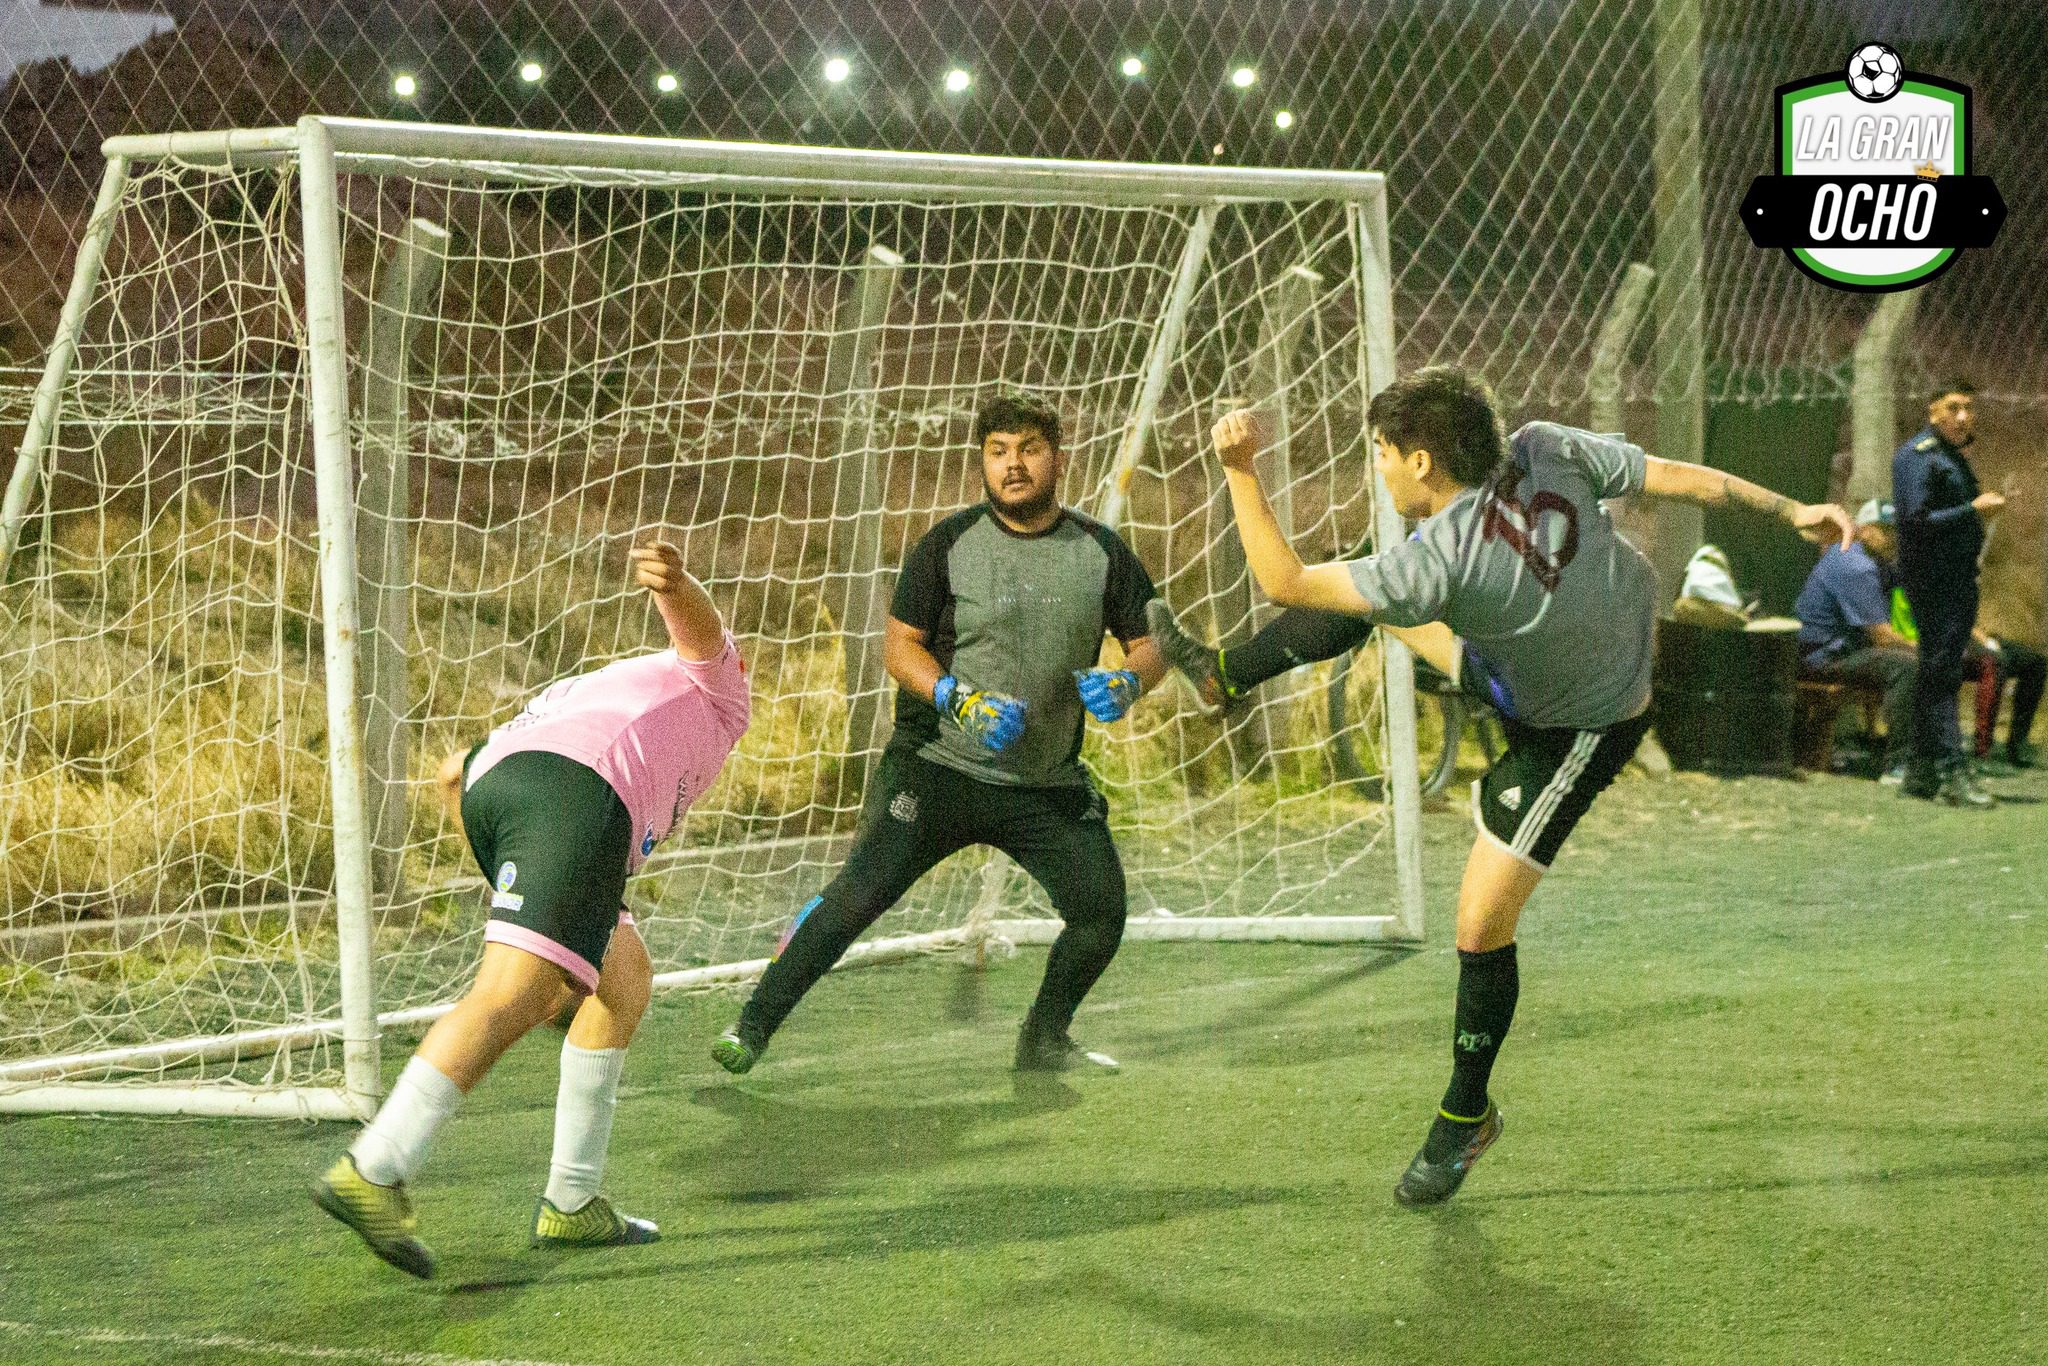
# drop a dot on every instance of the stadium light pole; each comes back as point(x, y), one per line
point(1132, 67)
point(531, 72)
point(1284, 120)
point(404, 86)
point(667, 83)
point(837, 69)
point(958, 79)
point(1244, 77)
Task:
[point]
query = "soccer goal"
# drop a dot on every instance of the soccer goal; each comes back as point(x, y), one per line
point(336, 458)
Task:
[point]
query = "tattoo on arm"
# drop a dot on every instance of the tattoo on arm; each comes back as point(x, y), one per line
point(1741, 493)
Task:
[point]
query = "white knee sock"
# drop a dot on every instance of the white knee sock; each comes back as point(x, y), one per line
point(584, 1106)
point(391, 1147)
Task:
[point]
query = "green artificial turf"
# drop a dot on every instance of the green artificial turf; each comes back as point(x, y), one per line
point(1774, 1093)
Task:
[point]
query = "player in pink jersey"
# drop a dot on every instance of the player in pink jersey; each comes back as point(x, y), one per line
point(559, 805)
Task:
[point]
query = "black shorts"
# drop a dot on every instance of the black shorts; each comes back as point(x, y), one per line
point(552, 836)
point(1529, 801)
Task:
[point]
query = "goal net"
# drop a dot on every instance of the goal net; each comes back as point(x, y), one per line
point(337, 459)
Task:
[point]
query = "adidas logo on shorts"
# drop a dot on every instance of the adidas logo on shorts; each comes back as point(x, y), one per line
point(1512, 798)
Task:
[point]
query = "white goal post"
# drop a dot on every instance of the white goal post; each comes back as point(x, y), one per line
point(334, 459)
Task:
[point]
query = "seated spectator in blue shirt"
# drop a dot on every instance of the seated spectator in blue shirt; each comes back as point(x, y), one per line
point(1845, 627)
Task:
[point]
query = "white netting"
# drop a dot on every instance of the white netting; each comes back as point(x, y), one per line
point(604, 354)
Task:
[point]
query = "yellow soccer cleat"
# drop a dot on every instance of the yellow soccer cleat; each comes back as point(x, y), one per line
point(597, 1224)
point(381, 1216)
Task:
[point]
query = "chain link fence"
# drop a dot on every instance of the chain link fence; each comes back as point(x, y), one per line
point(1517, 134)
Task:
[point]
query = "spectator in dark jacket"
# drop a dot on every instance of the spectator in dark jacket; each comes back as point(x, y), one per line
point(1941, 518)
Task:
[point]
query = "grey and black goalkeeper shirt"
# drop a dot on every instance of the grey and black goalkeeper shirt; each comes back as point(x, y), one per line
point(1017, 614)
point(1551, 601)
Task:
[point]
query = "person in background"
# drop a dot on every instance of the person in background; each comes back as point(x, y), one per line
point(1846, 633)
point(1995, 662)
point(1942, 516)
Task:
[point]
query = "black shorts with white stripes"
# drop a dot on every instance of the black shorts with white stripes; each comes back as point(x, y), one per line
point(1529, 801)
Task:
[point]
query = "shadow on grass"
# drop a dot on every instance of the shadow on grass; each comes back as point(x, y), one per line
point(1203, 1034)
point(782, 1151)
point(967, 991)
point(1994, 1169)
point(1476, 1310)
point(966, 1220)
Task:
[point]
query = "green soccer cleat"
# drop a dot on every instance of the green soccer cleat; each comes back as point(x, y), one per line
point(737, 1050)
point(1199, 664)
point(1058, 1053)
point(1432, 1183)
point(597, 1224)
point(381, 1216)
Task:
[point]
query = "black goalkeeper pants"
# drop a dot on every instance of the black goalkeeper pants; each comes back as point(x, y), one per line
point(917, 813)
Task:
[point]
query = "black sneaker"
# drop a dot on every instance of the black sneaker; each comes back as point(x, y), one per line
point(1959, 787)
point(2020, 755)
point(1922, 780)
point(738, 1049)
point(1199, 664)
point(1432, 1183)
point(1058, 1053)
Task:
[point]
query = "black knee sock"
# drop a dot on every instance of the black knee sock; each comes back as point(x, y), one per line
point(1297, 636)
point(1488, 983)
point(1077, 959)
point(821, 937)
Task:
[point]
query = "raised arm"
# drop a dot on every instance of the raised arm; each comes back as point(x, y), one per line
point(693, 624)
point(1817, 522)
point(1280, 573)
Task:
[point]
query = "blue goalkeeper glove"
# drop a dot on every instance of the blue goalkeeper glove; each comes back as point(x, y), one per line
point(1107, 693)
point(995, 719)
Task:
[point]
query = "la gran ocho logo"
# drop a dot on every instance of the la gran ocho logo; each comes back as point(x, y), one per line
point(1875, 188)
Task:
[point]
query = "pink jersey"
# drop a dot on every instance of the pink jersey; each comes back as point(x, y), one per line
point(656, 727)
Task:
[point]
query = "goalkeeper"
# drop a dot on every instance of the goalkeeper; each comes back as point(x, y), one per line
point(1555, 611)
point(993, 639)
point(559, 805)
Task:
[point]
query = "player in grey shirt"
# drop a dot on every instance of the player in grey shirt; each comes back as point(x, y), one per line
point(1517, 585)
point(993, 640)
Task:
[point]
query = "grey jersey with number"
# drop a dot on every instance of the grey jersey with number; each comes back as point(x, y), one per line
point(1528, 569)
point(1016, 613)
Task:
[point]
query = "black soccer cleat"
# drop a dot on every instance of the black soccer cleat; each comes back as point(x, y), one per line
point(1038, 1052)
point(1432, 1183)
point(738, 1049)
point(1921, 781)
point(1199, 664)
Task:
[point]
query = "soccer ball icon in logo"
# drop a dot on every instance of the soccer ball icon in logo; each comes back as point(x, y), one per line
point(1875, 72)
